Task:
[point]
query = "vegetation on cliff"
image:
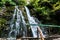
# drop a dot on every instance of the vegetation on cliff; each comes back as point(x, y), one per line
point(47, 11)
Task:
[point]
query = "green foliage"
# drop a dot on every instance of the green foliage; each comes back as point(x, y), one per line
point(9, 2)
point(46, 9)
point(22, 2)
point(34, 3)
point(12, 2)
point(2, 22)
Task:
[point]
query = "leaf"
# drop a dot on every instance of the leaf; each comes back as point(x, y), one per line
point(12, 3)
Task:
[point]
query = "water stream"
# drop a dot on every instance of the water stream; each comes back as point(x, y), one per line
point(33, 23)
point(15, 24)
point(13, 32)
point(24, 25)
point(18, 21)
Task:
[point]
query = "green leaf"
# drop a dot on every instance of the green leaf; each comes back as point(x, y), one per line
point(12, 3)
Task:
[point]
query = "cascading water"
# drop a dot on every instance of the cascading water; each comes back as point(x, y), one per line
point(33, 24)
point(23, 23)
point(12, 30)
point(16, 22)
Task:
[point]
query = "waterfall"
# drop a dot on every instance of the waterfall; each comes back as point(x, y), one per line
point(13, 32)
point(18, 22)
point(32, 22)
point(24, 25)
point(15, 24)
